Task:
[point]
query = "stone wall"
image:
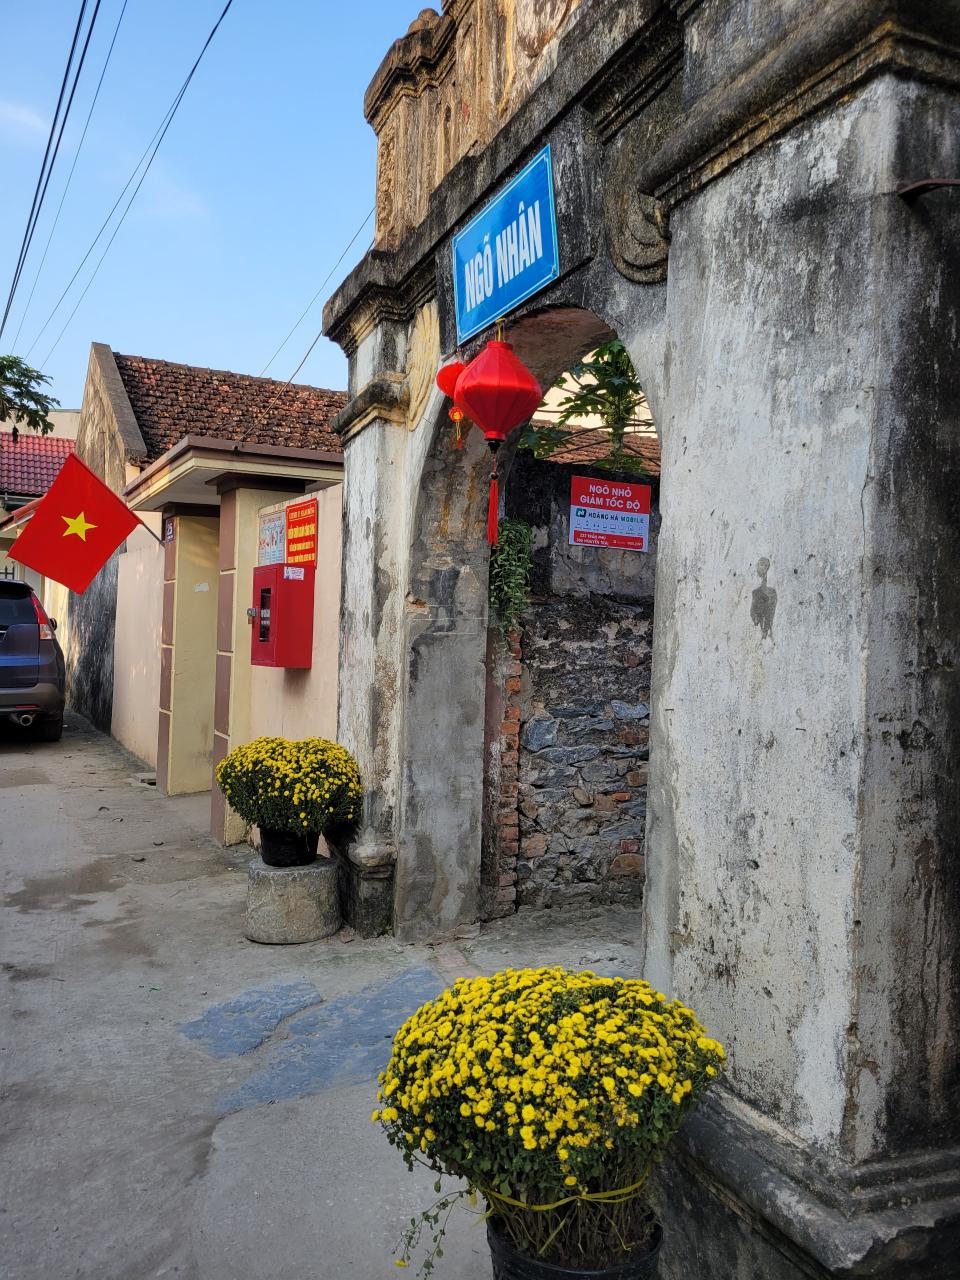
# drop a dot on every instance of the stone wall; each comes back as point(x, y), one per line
point(569, 769)
point(583, 751)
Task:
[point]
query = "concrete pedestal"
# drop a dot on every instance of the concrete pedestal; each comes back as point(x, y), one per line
point(292, 904)
point(366, 885)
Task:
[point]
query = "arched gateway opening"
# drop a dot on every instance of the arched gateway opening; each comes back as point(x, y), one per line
point(568, 678)
point(523, 761)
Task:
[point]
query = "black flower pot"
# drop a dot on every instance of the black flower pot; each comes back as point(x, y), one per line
point(508, 1264)
point(286, 848)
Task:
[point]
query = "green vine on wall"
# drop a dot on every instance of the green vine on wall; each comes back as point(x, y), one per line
point(510, 563)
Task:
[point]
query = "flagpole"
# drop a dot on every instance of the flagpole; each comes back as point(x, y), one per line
point(156, 537)
point(16, 518)
point(142, 522)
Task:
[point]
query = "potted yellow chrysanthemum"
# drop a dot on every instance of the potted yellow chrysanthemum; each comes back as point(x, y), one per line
point(553, 1094)
point(293, 791)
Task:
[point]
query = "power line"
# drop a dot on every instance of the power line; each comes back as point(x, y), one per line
point(152, 148)
point(76, 157)
point(37, 199)
point(63, 125)
point(310, 304)
point(258, 422)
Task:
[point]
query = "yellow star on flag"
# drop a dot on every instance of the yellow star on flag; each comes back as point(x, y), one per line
point(78, 525)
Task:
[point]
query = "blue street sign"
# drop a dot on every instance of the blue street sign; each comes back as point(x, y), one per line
point(508, 251)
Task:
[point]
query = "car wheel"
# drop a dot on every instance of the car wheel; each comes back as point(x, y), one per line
point(50, 728)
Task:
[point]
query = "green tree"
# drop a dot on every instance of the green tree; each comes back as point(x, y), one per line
point(21, 395)
point(605, 384)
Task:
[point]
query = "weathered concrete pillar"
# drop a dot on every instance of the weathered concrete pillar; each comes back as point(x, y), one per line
point(413, 628)
point(804, 878)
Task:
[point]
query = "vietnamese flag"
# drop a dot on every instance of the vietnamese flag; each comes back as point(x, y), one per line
point(75, 529)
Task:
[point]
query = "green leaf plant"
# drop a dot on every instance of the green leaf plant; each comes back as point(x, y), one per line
point(510, 563)
point(604, 385)
point(22, 398)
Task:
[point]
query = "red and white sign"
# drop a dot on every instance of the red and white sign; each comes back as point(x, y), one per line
point(302, 532)
point(609, 513)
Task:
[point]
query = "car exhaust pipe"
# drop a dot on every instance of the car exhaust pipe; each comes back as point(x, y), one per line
point(27, 719)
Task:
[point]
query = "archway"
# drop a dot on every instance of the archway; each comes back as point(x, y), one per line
point(454, 743)
point(568, 691)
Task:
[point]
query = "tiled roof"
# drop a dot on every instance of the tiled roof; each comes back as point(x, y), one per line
point(171, 401)
point(29, 464)
point(590, 446)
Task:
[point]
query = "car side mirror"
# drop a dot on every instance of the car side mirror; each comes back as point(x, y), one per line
point(53, 623)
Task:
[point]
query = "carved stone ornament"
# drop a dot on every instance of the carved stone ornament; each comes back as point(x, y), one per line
point(423, 360)
point(537, 22)
point(637, 232)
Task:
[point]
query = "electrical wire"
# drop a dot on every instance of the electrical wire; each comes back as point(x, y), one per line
point(76, 157)
point(44, 170)
point(312, 301)
point(259, 421)
point(152, 148)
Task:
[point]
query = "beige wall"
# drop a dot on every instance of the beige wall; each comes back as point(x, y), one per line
point(239, 532)
point(66, 423)
point(303, 704)
point(194, 655)
point(136, 645)
point(257, 701)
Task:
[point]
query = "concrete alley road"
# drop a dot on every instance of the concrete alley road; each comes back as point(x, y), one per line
point(176, 1100)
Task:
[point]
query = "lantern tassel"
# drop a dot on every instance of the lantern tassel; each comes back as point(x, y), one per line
point(493, 506)
point(493, 511)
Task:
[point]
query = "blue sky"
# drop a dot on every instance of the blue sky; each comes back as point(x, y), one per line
point(265, 175)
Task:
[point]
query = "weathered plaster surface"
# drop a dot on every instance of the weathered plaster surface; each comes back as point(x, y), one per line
point(396, 647)
point(107, 437)
point(765, 841)
point(763, 818)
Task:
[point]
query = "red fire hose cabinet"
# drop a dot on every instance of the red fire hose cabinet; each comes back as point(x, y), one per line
point(282, 615)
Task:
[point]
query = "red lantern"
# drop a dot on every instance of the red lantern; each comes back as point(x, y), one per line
point(447, 377)
point(447, 382)
point(498, 392)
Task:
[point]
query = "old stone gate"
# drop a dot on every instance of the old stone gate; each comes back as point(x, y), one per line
point(737, 200)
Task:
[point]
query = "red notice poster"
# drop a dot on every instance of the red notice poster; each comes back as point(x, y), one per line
point(609, 513)
point(302, 532)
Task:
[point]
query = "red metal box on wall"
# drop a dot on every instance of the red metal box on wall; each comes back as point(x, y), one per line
point(282, 615)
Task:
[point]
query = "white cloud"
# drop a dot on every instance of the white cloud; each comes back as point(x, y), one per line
point(22, 124)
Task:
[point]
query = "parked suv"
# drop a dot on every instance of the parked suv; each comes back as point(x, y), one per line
point(32, 674)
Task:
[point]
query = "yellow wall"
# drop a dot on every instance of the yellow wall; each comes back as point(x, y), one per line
point(303, 704)
point(194, 655)
point(136, 645)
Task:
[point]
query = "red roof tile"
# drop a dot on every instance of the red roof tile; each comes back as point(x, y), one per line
point(29, 464)
point(171, 401)
point(590, 446)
